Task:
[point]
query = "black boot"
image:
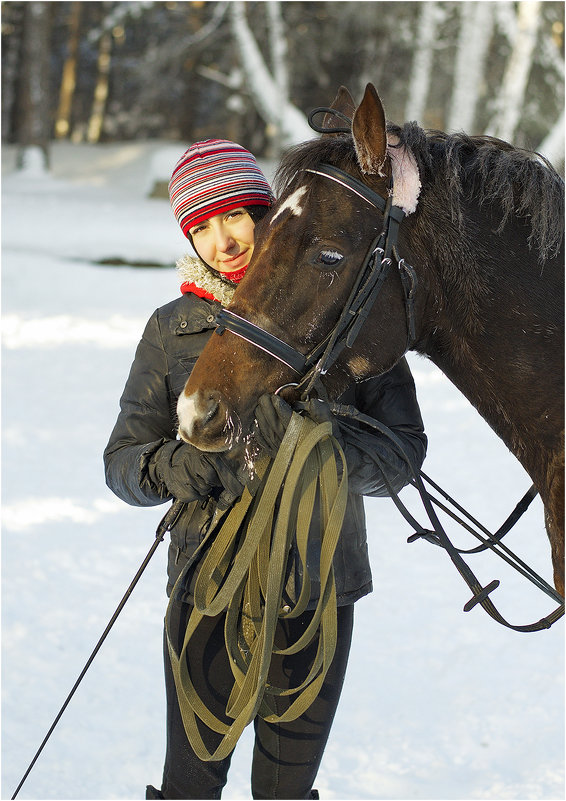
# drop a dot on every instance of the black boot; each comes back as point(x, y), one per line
point(151, 792)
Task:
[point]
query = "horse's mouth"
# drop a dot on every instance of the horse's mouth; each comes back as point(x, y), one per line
point(207, 422)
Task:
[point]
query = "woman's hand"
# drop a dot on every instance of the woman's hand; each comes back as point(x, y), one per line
point(190, 474)
point(272, 416)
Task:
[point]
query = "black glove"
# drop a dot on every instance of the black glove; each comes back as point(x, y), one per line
point(319, 411)
point(272, 416)
point(189, 474)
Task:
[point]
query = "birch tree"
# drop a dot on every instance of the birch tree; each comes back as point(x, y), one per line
point(269, 88)
point(279, 58)
point(511, 98)
point(552, 146)
point(476, 26)
point(430, 17)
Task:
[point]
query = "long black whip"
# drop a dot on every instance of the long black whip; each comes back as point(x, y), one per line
point(165, 525)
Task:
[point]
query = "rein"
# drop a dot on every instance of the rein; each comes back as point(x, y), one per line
point(438, 535)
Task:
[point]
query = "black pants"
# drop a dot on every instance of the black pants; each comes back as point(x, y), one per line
point(286, 757)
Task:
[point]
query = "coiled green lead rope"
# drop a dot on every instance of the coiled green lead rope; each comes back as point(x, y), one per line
point(243, 574)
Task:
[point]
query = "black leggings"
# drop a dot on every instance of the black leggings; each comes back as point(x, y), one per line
point(286, 756)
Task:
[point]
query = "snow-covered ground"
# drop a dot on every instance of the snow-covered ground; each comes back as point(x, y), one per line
point(438, 704)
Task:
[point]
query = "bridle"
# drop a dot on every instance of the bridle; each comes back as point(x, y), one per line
point(381, 254)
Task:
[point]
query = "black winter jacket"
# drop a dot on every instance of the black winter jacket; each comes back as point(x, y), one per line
point(172, 341)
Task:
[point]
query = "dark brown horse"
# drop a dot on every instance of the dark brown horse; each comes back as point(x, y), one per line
point(474, 280)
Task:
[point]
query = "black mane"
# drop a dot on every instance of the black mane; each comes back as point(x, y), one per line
point(485, 168)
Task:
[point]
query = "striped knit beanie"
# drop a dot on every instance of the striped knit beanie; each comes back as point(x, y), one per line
point(212, 177)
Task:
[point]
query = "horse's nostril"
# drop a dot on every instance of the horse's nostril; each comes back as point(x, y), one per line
point(213, 407)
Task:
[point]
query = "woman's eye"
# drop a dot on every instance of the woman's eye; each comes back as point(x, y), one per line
point(329, 257)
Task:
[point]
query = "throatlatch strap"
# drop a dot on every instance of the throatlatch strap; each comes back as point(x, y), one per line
point(243, 575)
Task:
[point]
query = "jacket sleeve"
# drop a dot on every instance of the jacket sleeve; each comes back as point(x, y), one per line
point(391, 400)
point(145, 422)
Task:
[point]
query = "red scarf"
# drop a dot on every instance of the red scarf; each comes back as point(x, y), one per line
point(237, 275)
point(190, 286)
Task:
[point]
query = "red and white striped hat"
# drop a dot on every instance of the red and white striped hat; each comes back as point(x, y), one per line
point(213, 177)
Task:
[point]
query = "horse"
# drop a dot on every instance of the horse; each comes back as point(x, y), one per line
point(468, 236)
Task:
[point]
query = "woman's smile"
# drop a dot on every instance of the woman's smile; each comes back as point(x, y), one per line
point(234, 262)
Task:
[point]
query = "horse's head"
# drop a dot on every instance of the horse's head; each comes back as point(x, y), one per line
point(308, 255)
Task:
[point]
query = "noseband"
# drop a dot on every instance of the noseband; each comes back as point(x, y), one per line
point(371, 276)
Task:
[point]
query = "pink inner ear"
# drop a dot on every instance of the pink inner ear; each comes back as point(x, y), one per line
point(406, 178)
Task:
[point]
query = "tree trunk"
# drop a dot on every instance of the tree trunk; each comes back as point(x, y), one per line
point(11, 48)
point(34, 123)
point(68, 80)
point(421, 71)
point(279, 56)
point(101, 89)
point(476, 27)
point(511, 98)
point(552, 146)
point(263, 89)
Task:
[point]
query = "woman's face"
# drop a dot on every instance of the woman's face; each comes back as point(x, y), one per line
point(225, 241)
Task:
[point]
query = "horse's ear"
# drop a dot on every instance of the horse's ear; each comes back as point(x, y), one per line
point(344, 104)
point(368, 129)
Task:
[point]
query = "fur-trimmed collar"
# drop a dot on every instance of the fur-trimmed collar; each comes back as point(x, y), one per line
point(193, 271)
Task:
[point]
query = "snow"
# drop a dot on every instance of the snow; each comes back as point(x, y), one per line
point(438, 703)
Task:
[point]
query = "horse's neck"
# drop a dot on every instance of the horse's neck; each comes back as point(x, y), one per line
point(460, 361)
point(511, 376)
point(490, 318)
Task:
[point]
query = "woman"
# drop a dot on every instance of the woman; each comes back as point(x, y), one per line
point(218, 194)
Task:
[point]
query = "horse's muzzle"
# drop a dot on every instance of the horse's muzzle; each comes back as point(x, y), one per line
point(206, 421)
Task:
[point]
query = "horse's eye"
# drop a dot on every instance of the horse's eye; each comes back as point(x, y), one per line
point(329, 257)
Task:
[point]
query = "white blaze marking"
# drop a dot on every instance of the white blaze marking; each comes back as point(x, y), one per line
point(292, 203)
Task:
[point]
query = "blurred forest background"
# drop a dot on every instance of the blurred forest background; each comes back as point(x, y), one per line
point(251, 71)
